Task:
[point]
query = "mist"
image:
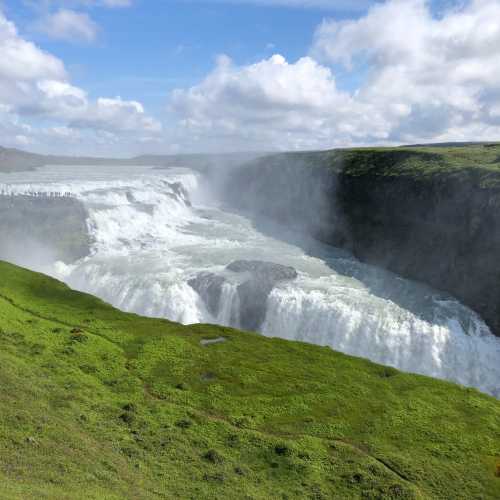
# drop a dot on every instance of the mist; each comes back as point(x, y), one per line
point(39, 229)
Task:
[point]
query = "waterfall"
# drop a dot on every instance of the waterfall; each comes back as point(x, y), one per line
point(163, 247)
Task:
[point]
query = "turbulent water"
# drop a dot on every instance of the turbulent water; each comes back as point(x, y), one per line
point(155, 232)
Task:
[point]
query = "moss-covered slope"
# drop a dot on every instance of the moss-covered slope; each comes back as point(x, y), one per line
point(477, 162)
point(96, 403)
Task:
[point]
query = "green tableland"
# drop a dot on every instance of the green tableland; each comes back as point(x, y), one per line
point(478, 164)
point(99, 404)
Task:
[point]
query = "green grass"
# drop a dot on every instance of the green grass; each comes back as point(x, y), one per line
point(478, 164)
point(96, 403)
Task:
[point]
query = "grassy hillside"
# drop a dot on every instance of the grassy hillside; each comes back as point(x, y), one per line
point(474, 162)
point(479, 163)
point(96, 403)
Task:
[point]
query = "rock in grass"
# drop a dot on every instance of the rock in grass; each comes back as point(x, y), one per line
point(184, 423)
point(213, 457)
point(281, 449)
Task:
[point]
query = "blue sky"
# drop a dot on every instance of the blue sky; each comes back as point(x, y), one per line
point(143, 52)
point(162, 58)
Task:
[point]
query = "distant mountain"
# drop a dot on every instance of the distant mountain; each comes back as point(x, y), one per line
point(15, 160)
point(12, 160)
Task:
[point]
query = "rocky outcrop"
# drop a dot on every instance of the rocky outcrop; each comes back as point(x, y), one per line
point(259, 280)
point(209, 288)
point(254, 281)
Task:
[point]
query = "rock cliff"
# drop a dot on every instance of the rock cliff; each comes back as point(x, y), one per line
point(429, 214)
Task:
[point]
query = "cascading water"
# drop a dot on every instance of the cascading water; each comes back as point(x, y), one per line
point(160, 248)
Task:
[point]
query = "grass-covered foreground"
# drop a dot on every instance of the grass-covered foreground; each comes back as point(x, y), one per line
point(96, 403)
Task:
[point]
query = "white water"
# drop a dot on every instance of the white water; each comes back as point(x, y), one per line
point(148, 242)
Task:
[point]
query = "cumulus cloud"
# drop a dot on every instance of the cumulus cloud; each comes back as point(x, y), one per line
point(442, 73)
point(420, 77)
point(117, 3)
point(84, 3)
point(13, 132)
point(423, 78)
point(22, 60)
point(35, 86)
point(259, 103)
point(273, 104)
point(350, 5)
point(117, 115)
point(69, 25)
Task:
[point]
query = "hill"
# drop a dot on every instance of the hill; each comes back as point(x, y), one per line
point(12, 160)
point(16, 160)
point(97, 403)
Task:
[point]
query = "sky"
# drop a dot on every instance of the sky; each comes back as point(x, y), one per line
point(127, 77)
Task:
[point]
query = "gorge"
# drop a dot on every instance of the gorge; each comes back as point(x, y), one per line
point(251, 246)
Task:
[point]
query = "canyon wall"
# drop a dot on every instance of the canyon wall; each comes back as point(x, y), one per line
point(38, 230)
point(427, 214)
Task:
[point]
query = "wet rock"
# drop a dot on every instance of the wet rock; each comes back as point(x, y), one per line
point(179, 192)
point(266, 270)
point(209, 288)
point(255, 279)
point(262, 277)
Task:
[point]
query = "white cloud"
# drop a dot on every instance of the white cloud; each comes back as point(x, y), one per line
point(117, 115)
point(351, 5)
point(22, 60)
point(423, 78)
point(270, 104)
point(62, 132)
point(69, 25)
point(117, 3)
point(443, 74)
point(71, 4)
point(420, 78)
point(35, 89)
